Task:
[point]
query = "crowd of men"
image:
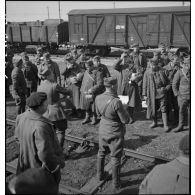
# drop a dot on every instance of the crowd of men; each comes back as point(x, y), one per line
point(87, 86)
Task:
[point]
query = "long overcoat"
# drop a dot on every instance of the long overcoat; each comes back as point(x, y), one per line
point(38, 142)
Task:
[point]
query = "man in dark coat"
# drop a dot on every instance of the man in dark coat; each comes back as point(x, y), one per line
point(111, 129)
point(172, 177)
point(39, 145)
point(19, 89)
point(172, 68)
point(140, 63)
point(155, 87)
point(125, 67)
point(181, 89)
point(30, 74)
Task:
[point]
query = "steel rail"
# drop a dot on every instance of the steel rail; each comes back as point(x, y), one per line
point(128, 152)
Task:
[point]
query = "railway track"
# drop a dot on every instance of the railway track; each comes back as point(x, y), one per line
point(92, 186)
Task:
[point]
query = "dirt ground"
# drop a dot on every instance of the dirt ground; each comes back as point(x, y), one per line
point(80, 168)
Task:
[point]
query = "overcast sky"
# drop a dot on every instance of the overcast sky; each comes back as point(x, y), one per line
point(37, 10)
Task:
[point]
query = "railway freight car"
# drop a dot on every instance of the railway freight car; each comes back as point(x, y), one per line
point(103, 28)
point(50, 32)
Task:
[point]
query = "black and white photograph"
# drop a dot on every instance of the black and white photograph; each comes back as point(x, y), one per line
point(97, 97)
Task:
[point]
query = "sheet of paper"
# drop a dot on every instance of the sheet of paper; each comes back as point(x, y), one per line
point(124, 99)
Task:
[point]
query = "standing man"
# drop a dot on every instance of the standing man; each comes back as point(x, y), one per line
point(19, 89)
point(30, 74)
point(37, 138)
point(181, 89)
point(53, 67)
point(140, 63)
point(164, 54)
point(38, 57)
point(172, 68)
point(155, 87)
point(111, 129)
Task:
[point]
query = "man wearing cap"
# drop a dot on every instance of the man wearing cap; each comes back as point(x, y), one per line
point(100, 67)
point(82, 59)
point(73, 75)
point(30, 74)
point(92, 85)
point(156, 57)
point(37, 138)
point(111, 129)
point(155, 87)
point(55, 111)
point(181, 89)
point(19, 89)
point(163, 54)
point(53, 67)
point(38, 57)
point(125, 68)
point(172, 67)
point(140, 63)
point(172, 177)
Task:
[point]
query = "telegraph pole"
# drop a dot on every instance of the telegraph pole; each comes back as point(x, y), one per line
point(48, 12)
point(59, 10)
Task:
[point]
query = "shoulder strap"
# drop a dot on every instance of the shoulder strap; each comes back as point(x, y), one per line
point(106, 106)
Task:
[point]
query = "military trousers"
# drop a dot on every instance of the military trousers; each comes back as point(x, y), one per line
point(183, 105)
point(20, 105)
point(115, 145)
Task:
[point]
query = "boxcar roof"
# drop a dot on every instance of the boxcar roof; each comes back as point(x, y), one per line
point(129, 10)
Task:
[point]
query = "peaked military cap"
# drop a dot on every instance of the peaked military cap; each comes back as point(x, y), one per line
point(184, 145)
point(18, 63)
point(46, 55)
point(110, 81)
point(23, 54)
point(34, 181)
point(36, 99)
point(135, 45)
point(96, 58)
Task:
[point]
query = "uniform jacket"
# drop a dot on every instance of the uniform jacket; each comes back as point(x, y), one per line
point(113, 123)
point(38, 142)
point(53, 67)
point(151, 91)
point(170, 178)
point(181, 84)
point(30, 74)
point(19, 84)
point(53, 90)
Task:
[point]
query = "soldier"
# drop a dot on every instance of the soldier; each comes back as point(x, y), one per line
point(100, 67)
point(172, 177)
point(8, 70)
point(92, 85)
point(53, 67)
point(111, 129)
point(164, 54)
point(140, 63)
point(181, 89)
point(19, 89)
point(82, 59)
point(39, 60)
point(38, 142)
point(125, 67)
point(155, 87)
point(55, 111)
point(172, 68)
point(30, 74)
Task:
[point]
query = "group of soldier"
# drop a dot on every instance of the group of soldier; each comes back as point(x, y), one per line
point(89, 86)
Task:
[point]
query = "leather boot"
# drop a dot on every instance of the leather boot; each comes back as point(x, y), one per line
point(165, 121)
point(94, 120)
point(87, 118)
point(116, 177)
point(154, 123)
point(100, 169)
point(130, 111)
point(61, 137)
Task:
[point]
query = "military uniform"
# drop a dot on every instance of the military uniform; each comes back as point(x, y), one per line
point(38, 143)
point(155, 86)
point(31, 76)
point(19, 89)
point(181, 89)
point(165, 58)
point(55, 111)
point(111, 130)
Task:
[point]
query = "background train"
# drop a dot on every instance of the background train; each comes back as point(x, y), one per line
point(100, 29)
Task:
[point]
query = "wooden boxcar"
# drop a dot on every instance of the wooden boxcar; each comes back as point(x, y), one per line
point(49, 32)
point(102, 28)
